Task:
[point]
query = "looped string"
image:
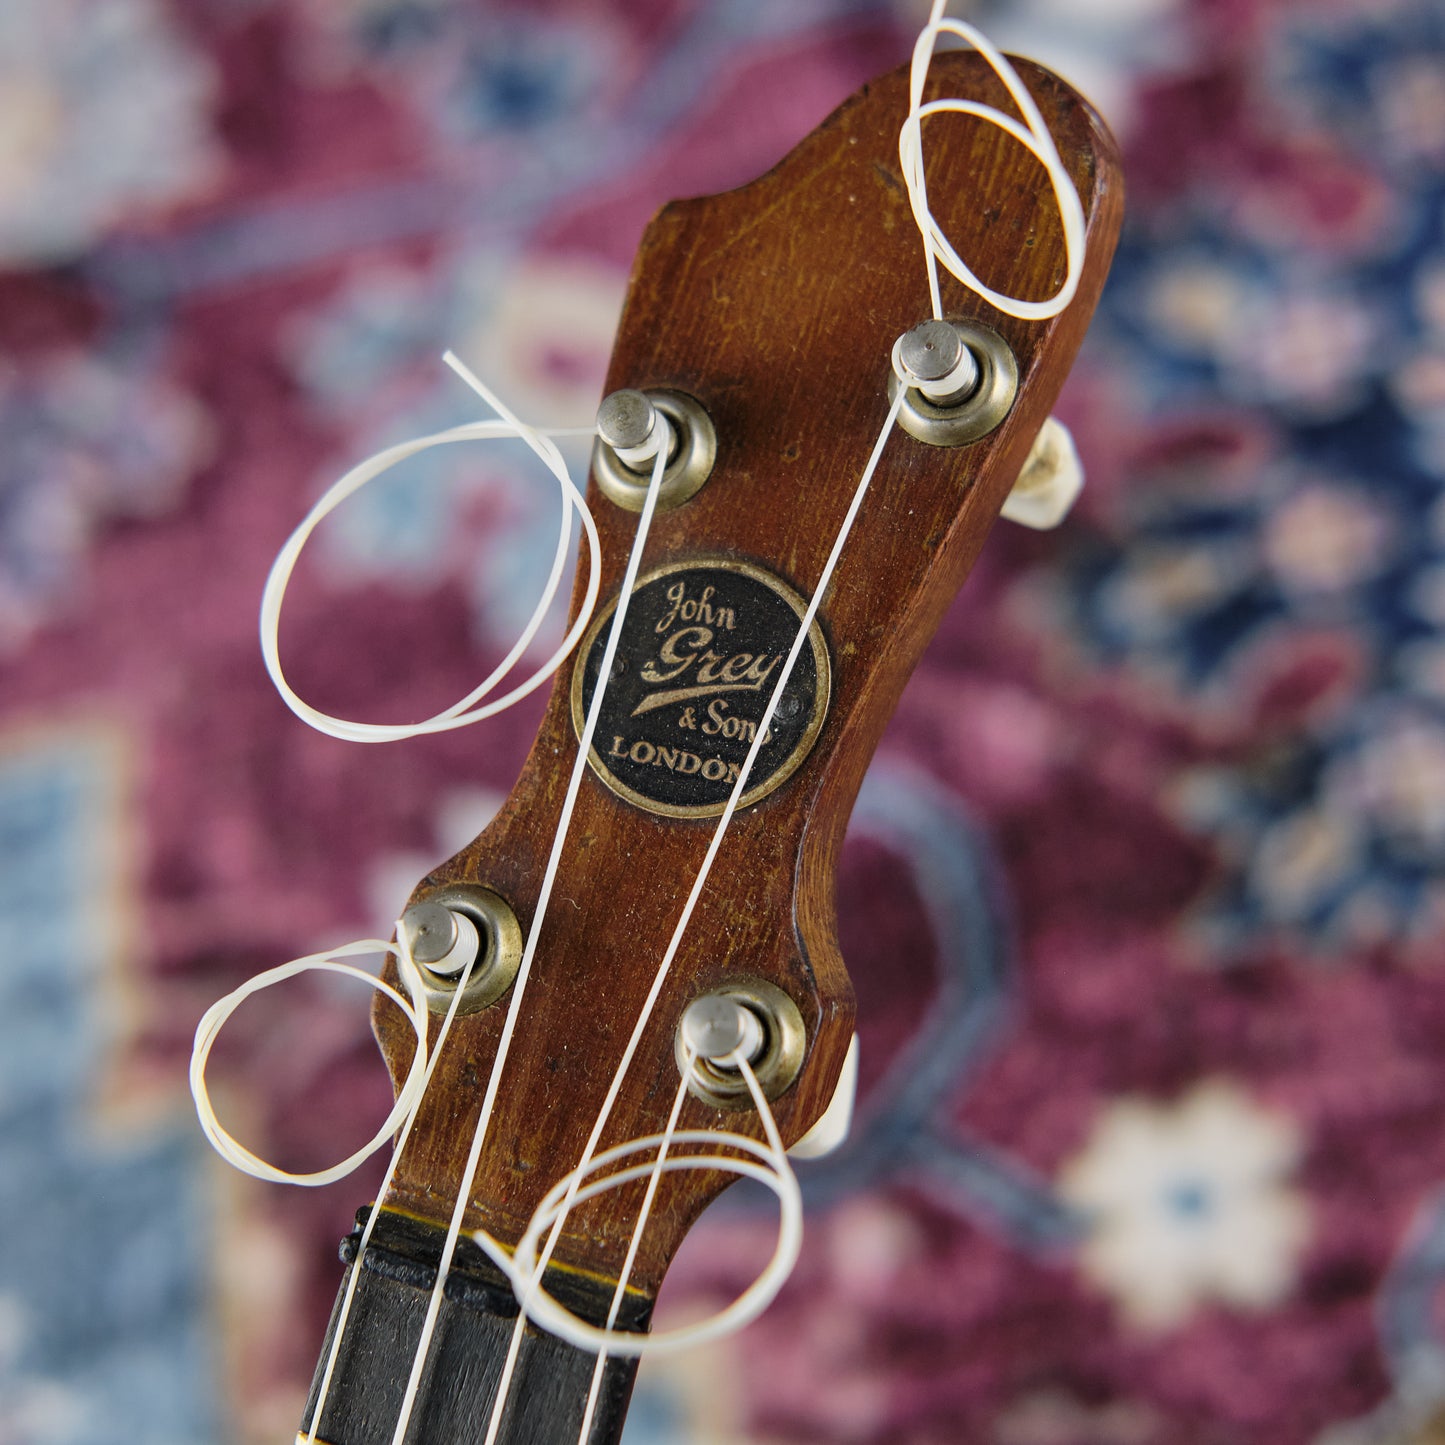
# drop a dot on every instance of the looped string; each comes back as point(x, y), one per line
point(413, 1009)
point(1033, 135)
point(408, 1102)
point(766, 1162)
point(471, 708)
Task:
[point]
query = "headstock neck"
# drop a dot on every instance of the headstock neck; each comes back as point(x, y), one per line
point(774, 308)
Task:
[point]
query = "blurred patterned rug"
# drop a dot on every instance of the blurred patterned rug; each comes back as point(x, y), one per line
point(1144, 895)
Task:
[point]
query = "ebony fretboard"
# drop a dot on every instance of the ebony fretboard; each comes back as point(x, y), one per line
point(549, 1388)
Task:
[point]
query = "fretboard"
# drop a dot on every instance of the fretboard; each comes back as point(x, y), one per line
point(548, 1392)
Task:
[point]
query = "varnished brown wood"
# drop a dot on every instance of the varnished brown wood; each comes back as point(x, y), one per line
point(776, 306)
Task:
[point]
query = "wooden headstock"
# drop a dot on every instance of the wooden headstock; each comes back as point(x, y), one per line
point(775, 307)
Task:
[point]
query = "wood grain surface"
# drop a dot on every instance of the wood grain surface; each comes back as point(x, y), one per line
point(776, 306)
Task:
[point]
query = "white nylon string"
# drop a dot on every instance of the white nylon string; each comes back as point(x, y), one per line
point(643, 1214)
point(1033, 135)
point(524, 970)
point(214, 1020)
point(471, 708)
point(767, 1163)
point(781, 1180)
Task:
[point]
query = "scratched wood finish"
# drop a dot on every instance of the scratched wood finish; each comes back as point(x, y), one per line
point(775, 306)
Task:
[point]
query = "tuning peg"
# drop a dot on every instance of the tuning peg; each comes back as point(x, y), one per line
point(958, 378)
point(1050, 482)
point(717, 1026)
point(457, 927)
point(833, 1124)
point(938, 363)
point(635, 429)
point(441, 939)
point(751, 1017)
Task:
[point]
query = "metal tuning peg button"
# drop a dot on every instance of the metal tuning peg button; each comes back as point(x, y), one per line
point(443, 941)
point(632, 426)
point(1050, 482)
point(959, 381)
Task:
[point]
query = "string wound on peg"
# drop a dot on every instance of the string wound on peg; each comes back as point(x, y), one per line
point(935, 359)
point(635, 429)
point(441, 940)
point(716, 1027)
point(746, 1020)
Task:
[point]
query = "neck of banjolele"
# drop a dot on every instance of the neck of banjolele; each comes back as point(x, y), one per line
point(551, 1382)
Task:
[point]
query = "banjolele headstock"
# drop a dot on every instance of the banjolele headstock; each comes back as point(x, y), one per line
point(775, 307)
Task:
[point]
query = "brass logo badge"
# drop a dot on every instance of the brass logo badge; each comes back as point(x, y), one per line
point(701, 651)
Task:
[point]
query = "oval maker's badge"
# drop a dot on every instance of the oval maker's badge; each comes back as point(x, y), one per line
point(702, 648)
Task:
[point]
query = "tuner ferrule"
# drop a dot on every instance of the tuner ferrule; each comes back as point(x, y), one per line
point(976, 380)
point(748, 1018)
point(633, 427)
point(458, 925)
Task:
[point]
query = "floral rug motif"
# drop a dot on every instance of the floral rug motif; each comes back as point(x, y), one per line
point(1144, 898)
